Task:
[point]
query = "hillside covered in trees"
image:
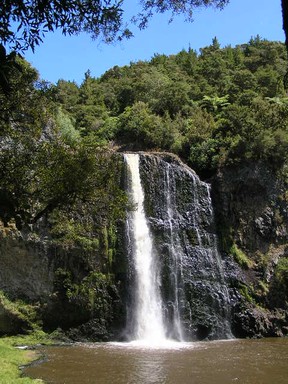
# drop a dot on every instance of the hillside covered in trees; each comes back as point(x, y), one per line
point(221, 110)
point(215, 107)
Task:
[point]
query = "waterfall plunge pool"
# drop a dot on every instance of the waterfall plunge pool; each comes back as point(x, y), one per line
point(262, 361)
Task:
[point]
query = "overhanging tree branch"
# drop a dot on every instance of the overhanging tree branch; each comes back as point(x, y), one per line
point(24, 23)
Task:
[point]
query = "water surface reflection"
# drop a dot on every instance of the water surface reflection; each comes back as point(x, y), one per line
point(222, 362)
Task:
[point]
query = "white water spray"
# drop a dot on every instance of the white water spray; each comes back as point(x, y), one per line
point(148, 324)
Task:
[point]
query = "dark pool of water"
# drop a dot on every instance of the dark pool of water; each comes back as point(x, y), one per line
point(220, 362)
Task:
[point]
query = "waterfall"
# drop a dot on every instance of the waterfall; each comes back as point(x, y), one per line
point(147, 321)
point(177, 285)
point(175, 256)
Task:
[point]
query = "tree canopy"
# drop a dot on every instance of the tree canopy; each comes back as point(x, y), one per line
point(219, 106)
point(23, 23)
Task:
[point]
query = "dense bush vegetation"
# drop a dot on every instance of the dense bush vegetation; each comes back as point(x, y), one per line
point(214, 107)
point(45, 164)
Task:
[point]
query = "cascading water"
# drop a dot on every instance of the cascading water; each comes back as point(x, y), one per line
point(175, 253)
point(147, 321)
point(177, 288)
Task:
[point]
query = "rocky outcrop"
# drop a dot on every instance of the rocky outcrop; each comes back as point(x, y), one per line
point(251, 208)
point(241, 278)
point(251, 200)
point(12, 322)
point(26, 265)
point(64, 285)
point(181, 217)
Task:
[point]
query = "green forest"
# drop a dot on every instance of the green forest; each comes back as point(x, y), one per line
point(212, 108)
point(61, 176)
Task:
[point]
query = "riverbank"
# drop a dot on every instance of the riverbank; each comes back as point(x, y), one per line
point(17, 351)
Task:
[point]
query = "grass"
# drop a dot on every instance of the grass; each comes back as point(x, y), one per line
point(240, 257)
point(11, 358)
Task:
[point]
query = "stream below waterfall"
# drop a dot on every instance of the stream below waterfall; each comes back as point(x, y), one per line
point(262, 361)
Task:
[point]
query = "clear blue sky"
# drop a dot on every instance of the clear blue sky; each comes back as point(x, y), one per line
point(68, 58)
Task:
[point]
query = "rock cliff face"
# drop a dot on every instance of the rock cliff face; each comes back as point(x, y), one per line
point(252, 201)
point(26, 270)
point(64, 286)
point(180, 213)
point(251, 208)
point(238, 281)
